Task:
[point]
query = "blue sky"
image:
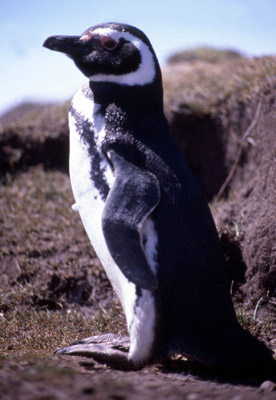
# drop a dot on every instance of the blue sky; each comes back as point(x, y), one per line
point(30, 72)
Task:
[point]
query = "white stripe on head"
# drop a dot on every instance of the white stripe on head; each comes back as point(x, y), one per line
point(145, 74)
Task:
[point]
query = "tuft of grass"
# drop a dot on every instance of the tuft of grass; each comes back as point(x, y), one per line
point(264, 329)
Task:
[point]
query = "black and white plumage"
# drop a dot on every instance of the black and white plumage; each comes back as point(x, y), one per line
point(145, 214)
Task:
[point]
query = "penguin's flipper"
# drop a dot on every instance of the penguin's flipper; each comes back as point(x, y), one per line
point(132, 198)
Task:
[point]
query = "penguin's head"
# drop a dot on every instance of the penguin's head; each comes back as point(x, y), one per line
point(111, 52)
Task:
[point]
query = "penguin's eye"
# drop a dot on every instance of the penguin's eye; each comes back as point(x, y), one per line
point(108, 43)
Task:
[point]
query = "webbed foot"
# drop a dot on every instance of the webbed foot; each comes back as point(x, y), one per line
point(109, 348)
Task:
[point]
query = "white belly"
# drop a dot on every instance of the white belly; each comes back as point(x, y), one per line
point(90, 205)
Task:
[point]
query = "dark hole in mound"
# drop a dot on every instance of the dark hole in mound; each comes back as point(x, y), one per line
point(198, 136)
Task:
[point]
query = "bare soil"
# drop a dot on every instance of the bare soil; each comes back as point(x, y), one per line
point(40, 377)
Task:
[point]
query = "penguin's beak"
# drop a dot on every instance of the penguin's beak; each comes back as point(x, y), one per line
point(70, 45)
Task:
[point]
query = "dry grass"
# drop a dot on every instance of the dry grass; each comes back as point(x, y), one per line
point(205, 87)
point(38, 122)
point(42, 237)
point(30, 331)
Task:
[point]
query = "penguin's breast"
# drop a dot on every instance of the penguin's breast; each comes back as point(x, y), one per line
point(90, 173)
point(91, 179)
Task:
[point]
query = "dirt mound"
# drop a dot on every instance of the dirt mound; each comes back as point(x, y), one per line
point(18, 112)
point(249, 214)
point(205, 54)
point(38, 136)
point(223, 118)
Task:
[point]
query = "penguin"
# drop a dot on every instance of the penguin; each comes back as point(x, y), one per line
point(146, 216)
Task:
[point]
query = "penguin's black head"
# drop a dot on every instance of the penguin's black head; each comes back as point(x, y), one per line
point(111, 52)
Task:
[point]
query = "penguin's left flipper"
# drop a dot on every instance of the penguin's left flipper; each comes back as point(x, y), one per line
point(132, 198)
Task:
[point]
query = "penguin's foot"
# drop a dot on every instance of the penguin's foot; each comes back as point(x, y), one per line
point(109, 348)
